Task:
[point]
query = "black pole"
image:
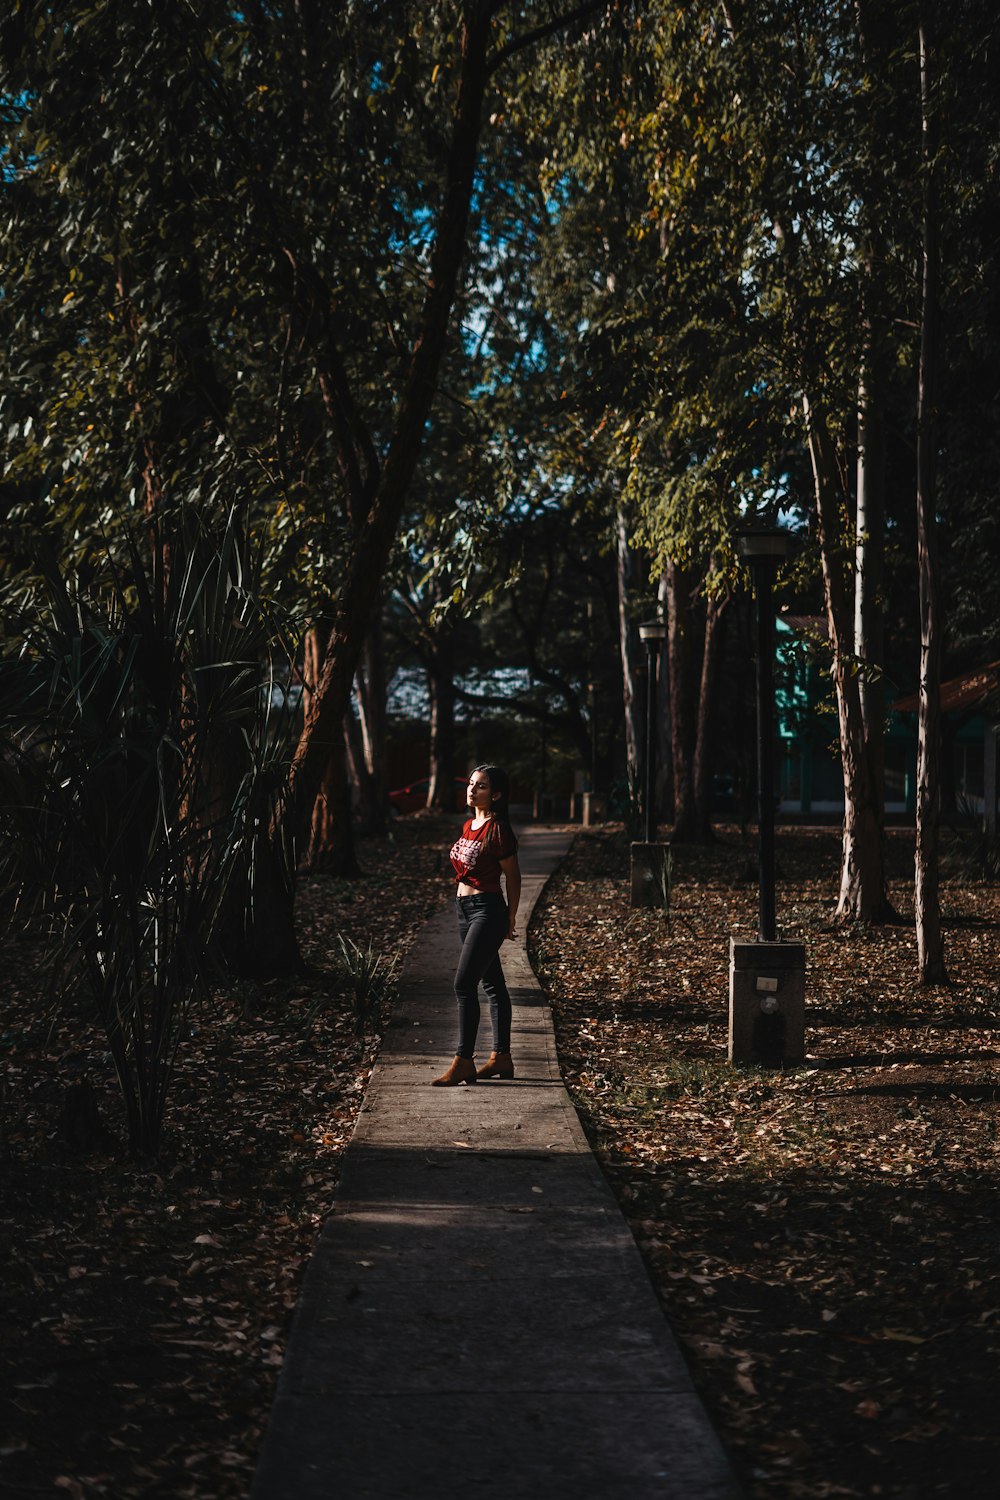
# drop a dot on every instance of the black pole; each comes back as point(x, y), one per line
point(651, 652)
point(763, 576)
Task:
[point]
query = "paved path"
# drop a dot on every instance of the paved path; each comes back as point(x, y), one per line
point(476, 1315)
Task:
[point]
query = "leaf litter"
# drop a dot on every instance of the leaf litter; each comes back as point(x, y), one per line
point(146, 1307)
point(823, 1239)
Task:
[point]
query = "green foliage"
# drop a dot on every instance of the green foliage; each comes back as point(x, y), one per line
point(370, 977)
point(557, 627)
point(219, 222)
point(140, 774)
point(217, 226)
point(972, 852)
point(370, 974)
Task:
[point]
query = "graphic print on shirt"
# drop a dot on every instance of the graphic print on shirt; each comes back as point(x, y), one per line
point(465, 851)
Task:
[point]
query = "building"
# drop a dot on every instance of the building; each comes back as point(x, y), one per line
point(810, 778)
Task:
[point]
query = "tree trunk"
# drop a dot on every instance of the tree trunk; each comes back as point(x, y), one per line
point(631, 665)
point(930, 945)
point(357, 771)
point(862, 894)
point(331, 836)
point(370, 692)
point(876, 38)
point(441, 689)
point(869, 607)
point(703, 758)
point(330, 844)
point(682, 721)
point(361, 588)
point(870, 553)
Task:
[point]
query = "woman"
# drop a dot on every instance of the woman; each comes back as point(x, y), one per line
point(486, 848)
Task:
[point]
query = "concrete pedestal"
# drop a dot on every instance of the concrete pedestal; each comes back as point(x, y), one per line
point(767, 1000)
point(647, 873)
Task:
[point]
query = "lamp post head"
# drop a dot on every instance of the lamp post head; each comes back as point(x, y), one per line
point(763, 544)
point(653, 633)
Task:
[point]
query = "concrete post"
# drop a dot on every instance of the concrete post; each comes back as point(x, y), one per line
point(767, 991)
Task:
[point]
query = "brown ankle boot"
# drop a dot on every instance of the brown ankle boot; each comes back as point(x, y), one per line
point(497, 1065)
point(462, 1070)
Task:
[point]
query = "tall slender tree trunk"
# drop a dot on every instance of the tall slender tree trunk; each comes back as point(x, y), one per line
point(682, 721)
point(869, 553)
point(631, 666)
point(331, 831)
point(930, 944)
point(441, 689)
point(703, 758)
point(358, 596)
point(355, 757)
point(875, 40)
point(331, 835)
point(862, 895)
point(370, 692)
point(357, 771)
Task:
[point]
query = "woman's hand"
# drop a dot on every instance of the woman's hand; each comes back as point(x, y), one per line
point(512, 880)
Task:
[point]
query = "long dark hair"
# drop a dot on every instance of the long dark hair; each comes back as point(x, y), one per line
point(499, 782)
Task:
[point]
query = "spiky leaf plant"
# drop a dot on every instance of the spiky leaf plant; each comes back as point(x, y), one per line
point(141, 774)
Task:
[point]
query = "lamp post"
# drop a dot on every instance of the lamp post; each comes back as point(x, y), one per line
point(766, 977)
point(652, 633)
point(764, 550)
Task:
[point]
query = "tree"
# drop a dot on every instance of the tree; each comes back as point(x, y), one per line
point(930, 947)
point(365, 735)
point(749, 169)
point(385, 486)
point(628, 560)
point(117, 828)
point(546, 651)
point(290, 351)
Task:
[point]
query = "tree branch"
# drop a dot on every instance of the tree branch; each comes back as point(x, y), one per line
point(539, 33)
point(497, 700)
point(380, 523)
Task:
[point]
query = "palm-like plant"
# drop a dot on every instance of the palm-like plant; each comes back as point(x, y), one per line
point(141, 771)
point(370, 976)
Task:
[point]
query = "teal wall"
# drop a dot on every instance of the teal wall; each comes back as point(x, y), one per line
point(809, 774)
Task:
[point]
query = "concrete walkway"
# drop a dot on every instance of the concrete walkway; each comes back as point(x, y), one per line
point(476, 1315)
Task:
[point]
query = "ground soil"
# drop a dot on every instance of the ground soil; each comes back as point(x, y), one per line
point(145, 1307)
point(824, 1239)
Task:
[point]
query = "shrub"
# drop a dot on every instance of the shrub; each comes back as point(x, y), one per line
point(140, 772)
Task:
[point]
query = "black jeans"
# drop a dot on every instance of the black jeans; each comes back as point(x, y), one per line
point(482, 926)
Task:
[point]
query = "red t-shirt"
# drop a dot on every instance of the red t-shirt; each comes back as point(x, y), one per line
point(476, 855)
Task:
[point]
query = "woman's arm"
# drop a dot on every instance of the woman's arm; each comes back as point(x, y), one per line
point(512, 876)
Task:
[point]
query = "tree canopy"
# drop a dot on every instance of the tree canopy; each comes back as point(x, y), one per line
point(512, 308)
